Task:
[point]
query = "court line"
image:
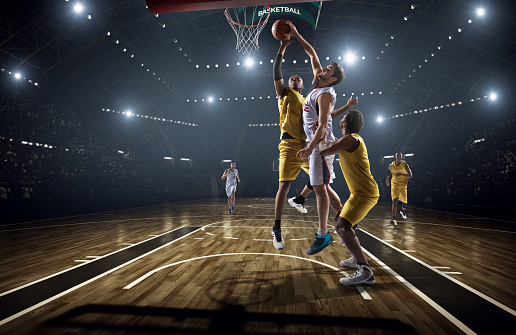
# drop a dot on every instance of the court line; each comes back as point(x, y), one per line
point(414, 289)
point(472, 290)
point(362, 291)
point(451, 226)
point(33, 307)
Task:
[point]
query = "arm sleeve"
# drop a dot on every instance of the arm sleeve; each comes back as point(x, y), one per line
point(277, 67)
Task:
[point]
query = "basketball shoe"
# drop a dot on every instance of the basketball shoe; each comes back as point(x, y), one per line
point(300, 208)
point(319, 244)
point(403, 215)
point(349, 263)
point(393, 222)
point(362, 276)
point(277, 240)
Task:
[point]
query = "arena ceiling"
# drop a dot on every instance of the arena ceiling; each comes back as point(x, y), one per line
point(419, 54)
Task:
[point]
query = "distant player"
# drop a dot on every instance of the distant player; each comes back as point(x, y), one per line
point(364, 194)
point(232, 178)
point(400, 176)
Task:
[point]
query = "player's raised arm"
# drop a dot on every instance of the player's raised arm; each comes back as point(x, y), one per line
point(316, 64)
point(351, 102)
point(277, 75)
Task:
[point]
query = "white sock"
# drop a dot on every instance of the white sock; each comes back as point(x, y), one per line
point(322, 232)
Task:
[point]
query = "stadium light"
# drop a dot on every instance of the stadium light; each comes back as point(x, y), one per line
point(226, 161)
point(129, 113)
point(17, 75)
point(78, 7)
point(185, 159)
point(166, 157)
point(249, 62)
point(210, 99)
point(350, 58)
point(493, 96)
point(481, 12)
point(409, 155)
point(379, 119)
point(385, 157)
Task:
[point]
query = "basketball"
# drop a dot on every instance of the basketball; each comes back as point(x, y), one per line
point(279, 29)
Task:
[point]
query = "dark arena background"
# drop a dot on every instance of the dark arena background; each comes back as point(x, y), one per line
point(118, 119)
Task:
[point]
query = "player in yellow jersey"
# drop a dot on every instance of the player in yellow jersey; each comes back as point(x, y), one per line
point(401, 173)
point(354, 163)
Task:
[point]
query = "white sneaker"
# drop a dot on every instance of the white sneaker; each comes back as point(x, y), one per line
point(394, 223)
point(349, 263)
point(403, 215)
point(300, 208)
point(277, 239)
point(362, 276)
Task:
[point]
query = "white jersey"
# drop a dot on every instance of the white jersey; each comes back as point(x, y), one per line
point(231, 178)
point(311, 113)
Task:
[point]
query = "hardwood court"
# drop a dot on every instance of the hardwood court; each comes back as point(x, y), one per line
point(190, 268)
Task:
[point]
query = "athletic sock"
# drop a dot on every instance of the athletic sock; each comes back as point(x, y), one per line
point(322, 232)
point(277, 224)
point(299, 200)
point(394, 218)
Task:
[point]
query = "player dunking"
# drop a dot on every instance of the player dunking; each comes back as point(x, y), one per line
point(317, 124)
point(354, 163)
point(232, 177)
point(400, 176)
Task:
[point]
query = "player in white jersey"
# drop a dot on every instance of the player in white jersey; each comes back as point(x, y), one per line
point(319, 105)
point(232, 178)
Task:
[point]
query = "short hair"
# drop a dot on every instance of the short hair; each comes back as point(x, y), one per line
point(338, 72)
point(233, 162)
point(354, 121)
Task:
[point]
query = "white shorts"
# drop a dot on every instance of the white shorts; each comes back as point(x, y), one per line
point(320, 168)
point(230, 189)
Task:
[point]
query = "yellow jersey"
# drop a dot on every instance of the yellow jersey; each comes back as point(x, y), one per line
point(356, 170)
point(291, 114)
point(400, 181)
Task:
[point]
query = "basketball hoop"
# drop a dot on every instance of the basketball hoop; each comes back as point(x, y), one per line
point(247, 25)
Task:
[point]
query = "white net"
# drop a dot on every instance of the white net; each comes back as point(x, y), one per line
point(247, 23)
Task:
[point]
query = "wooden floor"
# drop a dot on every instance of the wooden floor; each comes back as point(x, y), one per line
point(138, 272)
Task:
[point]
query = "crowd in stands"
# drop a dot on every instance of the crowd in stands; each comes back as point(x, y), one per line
point(52, 160)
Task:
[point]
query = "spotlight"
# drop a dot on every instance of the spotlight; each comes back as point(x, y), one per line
point(128, 113)
point(78, 8)
point(379, 119)
point(481, 12)
point(350, 57)
point(493, 96)
point(249, 62)
point(17, 75)
point(210, 99)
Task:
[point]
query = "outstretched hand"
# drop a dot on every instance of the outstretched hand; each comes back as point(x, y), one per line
point(352, 102)
point(293, 30)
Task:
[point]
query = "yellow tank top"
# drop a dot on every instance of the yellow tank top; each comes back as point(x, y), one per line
point(291, 114)
point(356, 170)
point(400, 181)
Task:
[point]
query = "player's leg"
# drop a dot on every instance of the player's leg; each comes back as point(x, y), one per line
point(335, 203)
point(233, 198)
point(319, 178)
point(229, 193)
point(403, 201)
point(394, 210)
point(298, 202)
point(289, 167)
point(354, 210)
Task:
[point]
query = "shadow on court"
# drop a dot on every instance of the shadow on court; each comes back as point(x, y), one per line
point(229, 319)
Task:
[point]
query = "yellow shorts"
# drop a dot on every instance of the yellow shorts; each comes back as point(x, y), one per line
point(399, 192)
point(357, 207)
point(289, 164)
